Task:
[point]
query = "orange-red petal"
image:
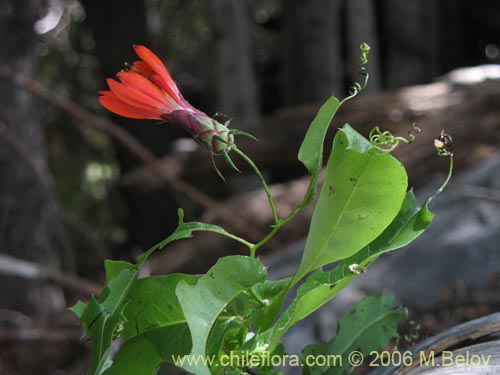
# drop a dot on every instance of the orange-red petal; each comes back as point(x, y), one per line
point(141, 83)
point(143, 68)
point(135, 97)
point(157, 66)
point(110, 101)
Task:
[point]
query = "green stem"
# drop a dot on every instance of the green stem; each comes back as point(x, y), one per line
point(266, 238)
point(441, 188)
point(282, 222)
point(262, 181)
point(233, 237)
point(257, 297)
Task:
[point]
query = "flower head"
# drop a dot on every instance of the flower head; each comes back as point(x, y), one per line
point(145, 90)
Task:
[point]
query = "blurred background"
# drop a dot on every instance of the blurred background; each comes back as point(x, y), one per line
point(78, 185)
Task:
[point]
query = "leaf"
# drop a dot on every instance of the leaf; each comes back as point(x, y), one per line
point(119, 278)
point(321, 286)
point(100, 318)
point(362, 193)
point(143, 353)
point(204, 302)
point(370, 326)
point(183, 230)
point(78, 308)
point(410, 223)
point(273, 293)
point(311, 149)
point(153, 303)
point(155, 329)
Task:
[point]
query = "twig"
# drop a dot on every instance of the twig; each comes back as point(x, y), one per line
point(88, 119)
point(32, 271)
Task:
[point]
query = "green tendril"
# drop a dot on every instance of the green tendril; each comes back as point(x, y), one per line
point(387, 142)
point(356, 88)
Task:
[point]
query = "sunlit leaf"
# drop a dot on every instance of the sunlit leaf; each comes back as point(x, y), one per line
point(362, 192)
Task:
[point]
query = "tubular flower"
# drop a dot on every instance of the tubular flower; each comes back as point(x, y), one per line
point(145, 90)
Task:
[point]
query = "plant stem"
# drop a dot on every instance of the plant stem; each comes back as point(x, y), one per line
point(441, 188)
point(256, 297)
point(233, 237)
point(262, 181)
point(280, 223)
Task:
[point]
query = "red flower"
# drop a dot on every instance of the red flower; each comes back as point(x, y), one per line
point(147, 91)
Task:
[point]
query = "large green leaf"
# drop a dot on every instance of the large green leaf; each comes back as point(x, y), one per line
point(362, 193)
point(321, 286)
point(153, 303)
point(142, 354)
point(370, 326)
point(101, 318)
point(204, 302)
point(154, 329)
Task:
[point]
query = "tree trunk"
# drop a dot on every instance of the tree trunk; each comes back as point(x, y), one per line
point(236, 82)
point(313, 54)
point(410, 38)
point(151, 215)
point(30, 224)
point(362, 28)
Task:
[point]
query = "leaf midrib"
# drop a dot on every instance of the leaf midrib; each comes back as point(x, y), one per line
point(353, 191)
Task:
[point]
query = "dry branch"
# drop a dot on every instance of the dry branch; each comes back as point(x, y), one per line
point(28, 270)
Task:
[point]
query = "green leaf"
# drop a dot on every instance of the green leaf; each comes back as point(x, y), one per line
point(143, 353)
point(78, 308)
point(362, 193)
point(183, 230)
point(204, 302)
point(101, 318)
point(410, 223)
point(113, 268)
point(311, 149)
point(370, 326)
point(321, 286)
point(155, 329)
point(152, 303)
point(272, 292)
point(119, 278)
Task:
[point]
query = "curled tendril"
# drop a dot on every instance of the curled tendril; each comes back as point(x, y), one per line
point(356, 88)
point(387, 142)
